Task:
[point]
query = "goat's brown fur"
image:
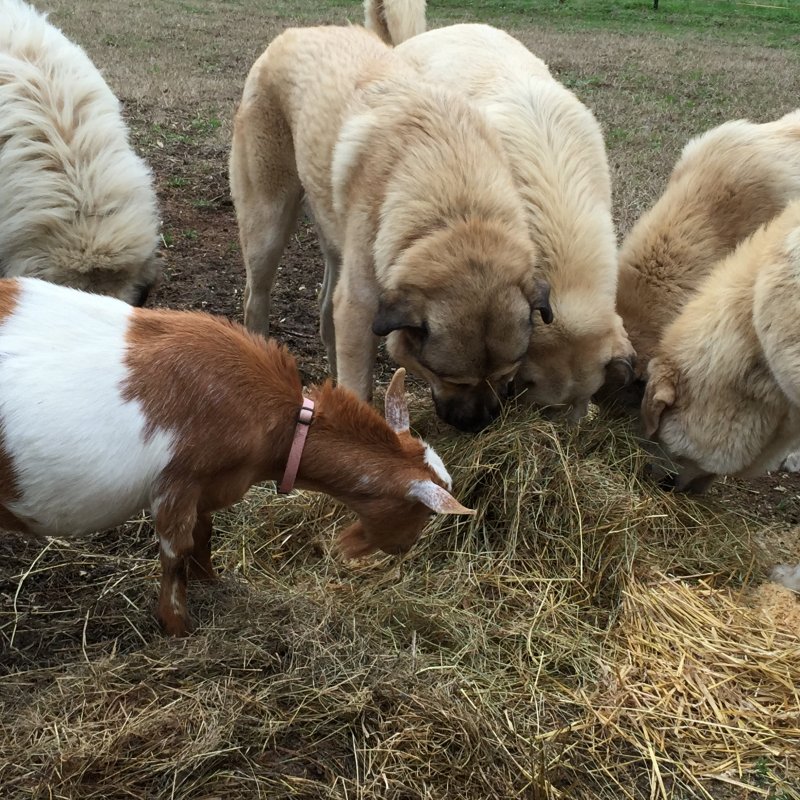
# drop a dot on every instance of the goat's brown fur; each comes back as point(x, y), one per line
point(220, 406)
point(9, 490)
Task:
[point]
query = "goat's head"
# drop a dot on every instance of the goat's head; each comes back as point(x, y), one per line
point(394, 513)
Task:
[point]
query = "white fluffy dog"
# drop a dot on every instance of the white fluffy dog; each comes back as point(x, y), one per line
point(77, 205)
point(727, 183)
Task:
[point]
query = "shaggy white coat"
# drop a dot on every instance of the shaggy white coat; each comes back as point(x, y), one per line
point(77, 205)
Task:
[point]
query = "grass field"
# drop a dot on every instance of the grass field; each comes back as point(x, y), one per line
point(775, 24)
point(584, 638)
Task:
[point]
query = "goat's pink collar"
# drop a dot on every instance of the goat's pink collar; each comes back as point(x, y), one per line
point(304, 417)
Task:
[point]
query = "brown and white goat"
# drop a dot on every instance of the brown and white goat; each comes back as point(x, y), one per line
point(106, 410)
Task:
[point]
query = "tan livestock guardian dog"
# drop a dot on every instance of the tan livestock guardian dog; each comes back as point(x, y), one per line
point(723, 392)
point(557, 155)
point(422, 229)
point(727, 183)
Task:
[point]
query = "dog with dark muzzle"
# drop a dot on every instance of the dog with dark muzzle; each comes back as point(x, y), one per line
point(421, 225)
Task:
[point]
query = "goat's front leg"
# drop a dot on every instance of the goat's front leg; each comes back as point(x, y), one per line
point(175, 524)
point(200, 566)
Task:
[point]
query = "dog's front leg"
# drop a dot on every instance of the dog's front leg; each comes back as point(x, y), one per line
point(354, 308)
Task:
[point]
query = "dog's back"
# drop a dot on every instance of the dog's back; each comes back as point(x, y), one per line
point(727, 182)
point(295, 99)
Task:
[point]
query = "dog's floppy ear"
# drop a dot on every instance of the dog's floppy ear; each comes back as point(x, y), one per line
point(659, 395)
point(540, 301)
point(620, 370)
point(393, 314)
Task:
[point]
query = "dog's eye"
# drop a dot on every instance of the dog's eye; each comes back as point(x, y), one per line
point(505, 375)
point(463, 383)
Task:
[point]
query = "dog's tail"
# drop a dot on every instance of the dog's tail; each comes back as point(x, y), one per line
point(395, 20)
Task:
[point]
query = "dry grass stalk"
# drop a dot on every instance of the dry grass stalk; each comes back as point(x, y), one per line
point(700, 684)
point(462, 670)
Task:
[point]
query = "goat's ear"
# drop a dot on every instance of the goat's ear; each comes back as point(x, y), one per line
point(659, 395)
point(540, 301)
point(396, 408)
point(436, 498)
point(393, 314)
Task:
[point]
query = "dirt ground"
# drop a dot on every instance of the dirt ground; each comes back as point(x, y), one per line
point(203, 267)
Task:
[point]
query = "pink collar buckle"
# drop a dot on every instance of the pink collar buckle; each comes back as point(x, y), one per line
point(305, 415)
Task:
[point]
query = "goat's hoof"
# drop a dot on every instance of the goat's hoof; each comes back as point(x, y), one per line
point(175, 625)
point(202, 573)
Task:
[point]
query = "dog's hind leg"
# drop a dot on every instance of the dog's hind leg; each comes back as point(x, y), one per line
point(267, 195)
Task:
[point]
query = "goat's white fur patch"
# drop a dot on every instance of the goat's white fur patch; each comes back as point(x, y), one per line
point(434, 461)
point(80, 456)
point(166, 547)
point(177, 606)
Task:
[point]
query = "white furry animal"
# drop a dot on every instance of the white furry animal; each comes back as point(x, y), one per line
point(557, 155)
point(395, 20)
point(723, 389)
point(77, 205)
point(726, 184)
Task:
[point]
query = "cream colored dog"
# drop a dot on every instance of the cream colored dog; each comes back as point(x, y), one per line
point(723, 392)
point(558, 159)
point(395, 20)
point(421, 226)
point(727, 183)
point(77, 205)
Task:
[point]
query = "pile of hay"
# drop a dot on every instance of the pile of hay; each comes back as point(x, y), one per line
point(584, 636)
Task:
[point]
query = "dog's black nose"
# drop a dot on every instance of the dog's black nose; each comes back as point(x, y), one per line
point(470, 421)
point(142, 293)
point(668, 483)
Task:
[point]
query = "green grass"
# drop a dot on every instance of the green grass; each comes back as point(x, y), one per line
point(772, 22)
point(775, 23)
